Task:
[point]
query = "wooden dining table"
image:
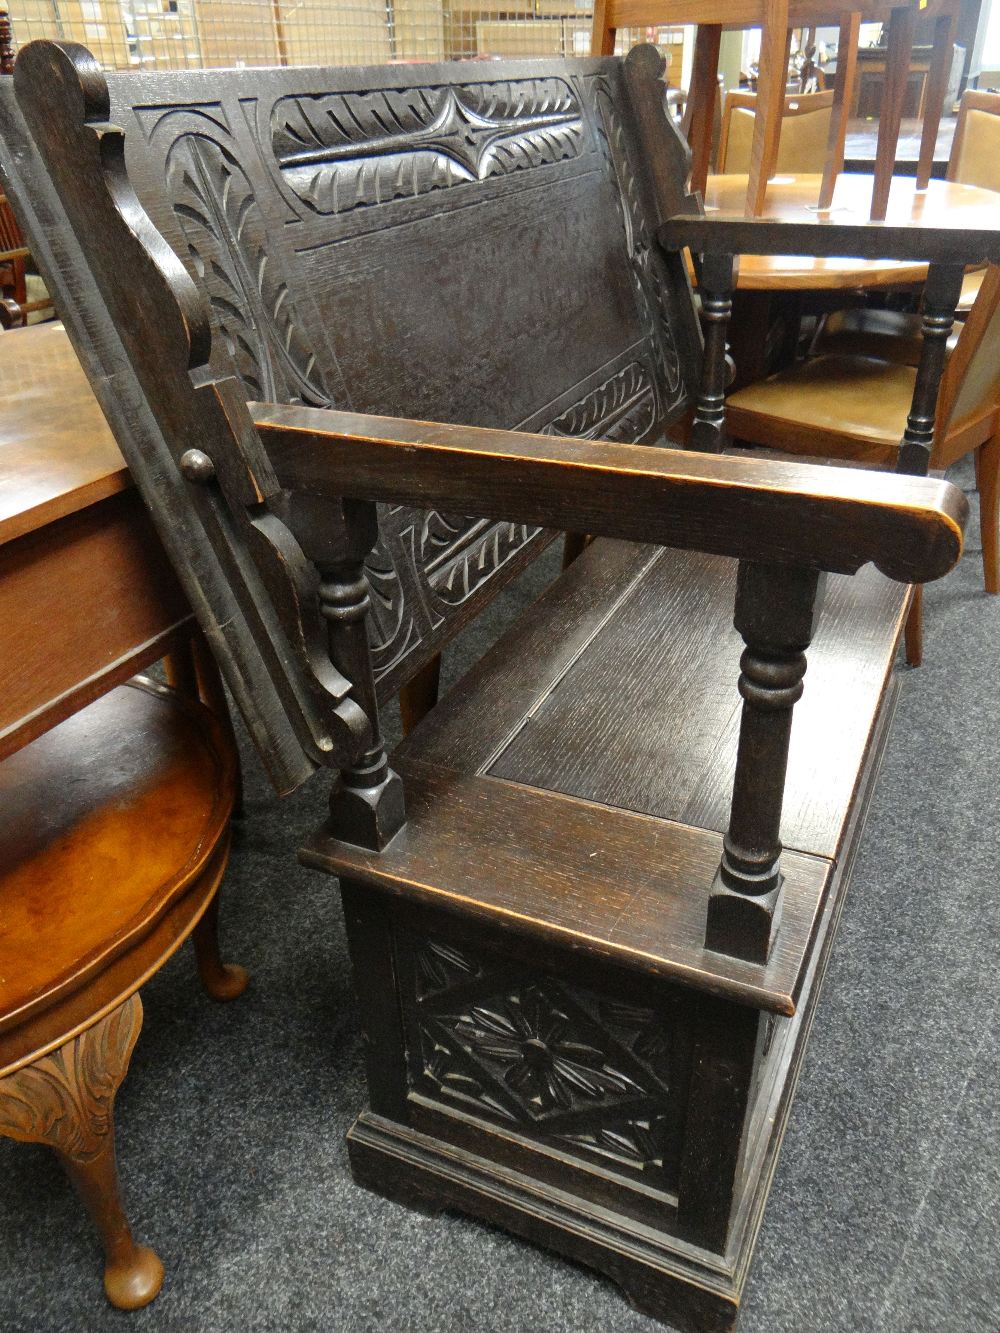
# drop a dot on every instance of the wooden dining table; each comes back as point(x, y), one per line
point(773, 291)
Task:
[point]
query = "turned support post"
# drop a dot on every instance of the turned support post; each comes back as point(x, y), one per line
point(715, 285)
point(366, 804)
point(941, 295)
point(775, 614)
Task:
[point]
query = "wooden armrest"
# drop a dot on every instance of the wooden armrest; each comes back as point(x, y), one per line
point(834, 519)
point(826, 238)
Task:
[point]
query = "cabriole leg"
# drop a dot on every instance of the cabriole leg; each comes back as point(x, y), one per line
point(222, 981)
point(66, 1100)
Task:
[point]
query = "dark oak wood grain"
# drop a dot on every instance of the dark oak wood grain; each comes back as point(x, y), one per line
point(910, 529)
point(585, 963)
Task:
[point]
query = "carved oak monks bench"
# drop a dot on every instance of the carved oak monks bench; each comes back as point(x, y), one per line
point(586, 964)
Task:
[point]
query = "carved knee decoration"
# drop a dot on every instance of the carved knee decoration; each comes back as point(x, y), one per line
point(66, 1100)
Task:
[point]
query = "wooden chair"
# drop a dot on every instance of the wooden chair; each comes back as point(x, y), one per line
point(805, 131)
point(15, 308)
point(776, 18)
point(114, 798)
point(854, 406)
point(895, 335)
point(585, 964)
point(975, 160)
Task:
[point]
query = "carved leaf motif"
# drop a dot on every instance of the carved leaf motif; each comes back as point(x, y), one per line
point(647, 1033)
point(622, 408)
point(557, 1060)
point(251, 303)
point(342, 151)
point(66, 1098)
point(647, 268)
point(440, 964)
point(641, 1141)
point(459, 554)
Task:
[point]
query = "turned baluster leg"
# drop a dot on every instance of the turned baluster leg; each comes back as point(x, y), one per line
point(775, 613)
point(366, 805)
point(66, 1100)
point(941, 294)
point(715, 284)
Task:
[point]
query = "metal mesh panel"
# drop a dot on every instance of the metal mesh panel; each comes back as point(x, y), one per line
point(191, 34)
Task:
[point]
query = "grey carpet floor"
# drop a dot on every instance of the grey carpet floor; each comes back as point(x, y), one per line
point(883, 1215)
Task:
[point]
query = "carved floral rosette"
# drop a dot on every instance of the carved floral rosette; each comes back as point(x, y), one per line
point(590, 1073)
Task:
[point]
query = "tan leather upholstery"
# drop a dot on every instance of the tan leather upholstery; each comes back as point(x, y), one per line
point(970, 290)
point(977, 156)
point(805, 128)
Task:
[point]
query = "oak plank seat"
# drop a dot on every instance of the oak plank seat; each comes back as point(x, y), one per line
point(598, 1055)
point(534, 740)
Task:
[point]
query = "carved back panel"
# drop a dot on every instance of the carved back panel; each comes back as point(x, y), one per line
point(462, 243)
point(455, 243)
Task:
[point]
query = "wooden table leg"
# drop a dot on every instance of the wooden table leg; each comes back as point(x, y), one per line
point(222, 981)
point(843, 93)
point(699, 115)
point(66, 1100)
point(897, 71)
point(763, 333)
point(934, 95)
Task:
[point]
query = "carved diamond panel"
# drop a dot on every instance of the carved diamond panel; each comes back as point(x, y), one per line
point(561, 1063)
point(342, 151)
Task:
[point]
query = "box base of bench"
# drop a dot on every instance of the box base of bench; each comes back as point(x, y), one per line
point(659, 1276)
point(419, 1149)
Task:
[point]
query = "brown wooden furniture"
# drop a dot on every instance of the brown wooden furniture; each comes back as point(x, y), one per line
point(805, 129)
point(15, 308)
point(775, 18)
point(943, 203)
point(975, 162)
point(772, 290)
point(114, 799)
point(586, 967)
point(855, 406)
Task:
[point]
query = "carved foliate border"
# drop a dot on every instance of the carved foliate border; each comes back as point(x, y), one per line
point(425, 566)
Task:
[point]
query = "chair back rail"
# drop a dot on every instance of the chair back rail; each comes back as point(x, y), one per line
point(358, 239)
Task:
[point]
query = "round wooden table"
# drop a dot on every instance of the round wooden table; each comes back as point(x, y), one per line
point(943, 203)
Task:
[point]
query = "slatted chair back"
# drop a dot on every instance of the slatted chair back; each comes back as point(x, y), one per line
point(362, 239)
point(805, 130)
